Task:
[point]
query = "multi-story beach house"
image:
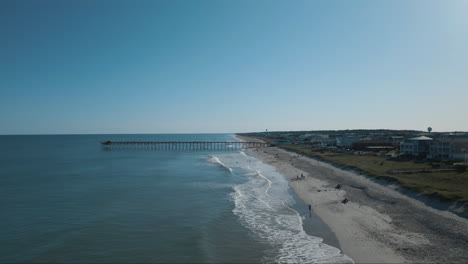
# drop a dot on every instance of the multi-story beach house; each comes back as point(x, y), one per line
point(330, 142)
point(449, 148)
point(347, 141)
point(416, 146)
point(396, 140)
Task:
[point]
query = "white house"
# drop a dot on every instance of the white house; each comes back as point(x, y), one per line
point(417, 146)
point(449, 148)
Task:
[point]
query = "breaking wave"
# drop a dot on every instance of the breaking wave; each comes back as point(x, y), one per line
point(263, 205)
point(215, 160)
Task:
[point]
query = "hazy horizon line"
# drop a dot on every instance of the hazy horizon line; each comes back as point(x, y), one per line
point(186, 133)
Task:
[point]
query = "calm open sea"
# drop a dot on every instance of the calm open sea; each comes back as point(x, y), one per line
point(62, 199)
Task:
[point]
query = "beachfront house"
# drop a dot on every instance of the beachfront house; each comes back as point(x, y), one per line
point(347, 141)
point(416, 146)
point(440, 149)
point(327, 142)
point(396, 140)
point(305, 137)
point(321, 139)
point(449, 148)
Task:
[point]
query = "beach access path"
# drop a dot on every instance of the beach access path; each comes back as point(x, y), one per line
point(378, 224)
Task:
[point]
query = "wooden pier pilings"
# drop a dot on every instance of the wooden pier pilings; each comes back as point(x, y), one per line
point(179, 145)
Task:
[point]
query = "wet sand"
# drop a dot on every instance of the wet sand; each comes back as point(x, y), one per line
point(378, 224)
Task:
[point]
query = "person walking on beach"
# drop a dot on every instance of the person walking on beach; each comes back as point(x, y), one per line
point(310, 207)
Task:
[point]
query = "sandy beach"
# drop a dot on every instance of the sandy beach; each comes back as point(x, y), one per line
point(377, 224)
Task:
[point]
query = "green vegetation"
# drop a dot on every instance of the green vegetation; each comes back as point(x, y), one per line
point(448, 185)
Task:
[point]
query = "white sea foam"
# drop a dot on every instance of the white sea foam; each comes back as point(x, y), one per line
point(262, 204)
point(215, 160)
point(211, 185)
point(243, 154)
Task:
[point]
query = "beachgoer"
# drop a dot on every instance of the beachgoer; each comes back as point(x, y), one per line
point(310, 207)
point(297, 177)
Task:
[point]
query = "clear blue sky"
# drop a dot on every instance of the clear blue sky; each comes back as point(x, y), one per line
point(232, 66)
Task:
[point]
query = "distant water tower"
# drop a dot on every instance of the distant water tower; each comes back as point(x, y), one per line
point(429, 129)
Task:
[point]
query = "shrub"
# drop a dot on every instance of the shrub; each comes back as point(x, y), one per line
point(460, 168)
point(447, 162)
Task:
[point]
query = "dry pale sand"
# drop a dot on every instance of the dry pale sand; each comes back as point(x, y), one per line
point(378, 224)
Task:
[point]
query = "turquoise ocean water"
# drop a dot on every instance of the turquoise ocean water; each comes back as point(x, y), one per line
point(62, 199)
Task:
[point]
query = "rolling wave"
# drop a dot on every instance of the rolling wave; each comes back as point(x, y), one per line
point(215, 160)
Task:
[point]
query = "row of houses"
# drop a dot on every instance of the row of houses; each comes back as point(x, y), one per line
point(432, 145)
point(422, 145)
point(435, 148)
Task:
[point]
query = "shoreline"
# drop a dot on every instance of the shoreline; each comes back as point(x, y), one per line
point(433, 200)
point(378, 224)
point(312, 224)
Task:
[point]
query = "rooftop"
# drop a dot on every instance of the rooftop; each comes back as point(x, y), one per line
point(421, 138)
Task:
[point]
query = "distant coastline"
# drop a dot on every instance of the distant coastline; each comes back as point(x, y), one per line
point(378, 224)
point(433, 177)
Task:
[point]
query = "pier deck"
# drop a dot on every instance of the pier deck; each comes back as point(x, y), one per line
point(180, 145)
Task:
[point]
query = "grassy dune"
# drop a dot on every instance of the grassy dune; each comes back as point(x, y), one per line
point(451, 186)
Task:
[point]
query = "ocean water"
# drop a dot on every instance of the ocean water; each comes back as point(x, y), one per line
point(63, 199)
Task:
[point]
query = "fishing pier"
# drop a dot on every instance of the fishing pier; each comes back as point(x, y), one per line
point(180, 145)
